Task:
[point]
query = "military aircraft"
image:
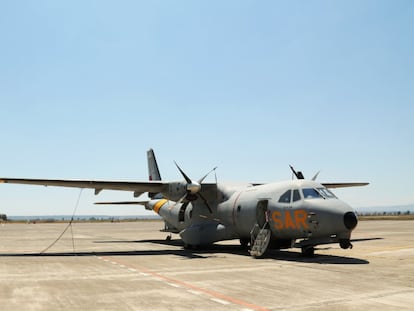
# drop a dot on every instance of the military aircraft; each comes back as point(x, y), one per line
point(294, 213)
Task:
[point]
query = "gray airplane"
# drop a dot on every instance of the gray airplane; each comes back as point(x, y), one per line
point(295, 213)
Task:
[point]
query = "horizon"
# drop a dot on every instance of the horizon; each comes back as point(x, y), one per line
point(361, 209)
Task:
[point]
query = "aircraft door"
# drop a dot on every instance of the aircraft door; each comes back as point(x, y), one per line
point(261, 212)
point(260, 234)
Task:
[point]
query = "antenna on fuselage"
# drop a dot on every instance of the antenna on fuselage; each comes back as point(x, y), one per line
point(316, 176)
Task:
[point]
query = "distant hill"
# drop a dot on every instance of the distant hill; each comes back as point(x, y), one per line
point(387, 209)
point(81, 217)
point(403, 209)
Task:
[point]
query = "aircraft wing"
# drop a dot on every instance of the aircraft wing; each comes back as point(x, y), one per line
point(122, 203)
point(345, 184)
point(137, 187)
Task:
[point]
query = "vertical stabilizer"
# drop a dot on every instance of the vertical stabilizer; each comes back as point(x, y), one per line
point(153, 172)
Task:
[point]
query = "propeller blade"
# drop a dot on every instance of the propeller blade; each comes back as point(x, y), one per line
point(202, 178)
point(206, 203)
point(187, 179)
point(182, 199)
point(179, 201)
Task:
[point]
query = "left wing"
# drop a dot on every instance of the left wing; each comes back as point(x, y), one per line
point(136, 187)
point(345, 184)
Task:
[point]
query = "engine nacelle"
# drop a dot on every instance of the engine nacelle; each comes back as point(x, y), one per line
point(176, 191)
point(175, 214)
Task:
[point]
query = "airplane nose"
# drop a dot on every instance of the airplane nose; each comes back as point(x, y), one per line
point(350, 220)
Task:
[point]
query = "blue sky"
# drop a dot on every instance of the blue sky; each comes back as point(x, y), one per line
point(86, 87)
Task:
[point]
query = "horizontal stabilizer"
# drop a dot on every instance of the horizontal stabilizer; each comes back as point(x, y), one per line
point(123, 203)
point(144, 203)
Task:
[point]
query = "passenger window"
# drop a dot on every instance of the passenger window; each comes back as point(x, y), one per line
point(285, 198)
point(296, 195)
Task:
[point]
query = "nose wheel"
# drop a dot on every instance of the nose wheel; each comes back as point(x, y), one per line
point(345, 243)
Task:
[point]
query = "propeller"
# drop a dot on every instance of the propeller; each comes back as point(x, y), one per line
point(193, 188)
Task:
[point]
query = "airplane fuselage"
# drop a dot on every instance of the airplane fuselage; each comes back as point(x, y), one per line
point(292, 210)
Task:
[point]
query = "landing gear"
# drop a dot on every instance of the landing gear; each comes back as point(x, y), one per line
point(244, 243)
point(168, 238)
point(308, 251)
point(345, 243)
point(259, 240)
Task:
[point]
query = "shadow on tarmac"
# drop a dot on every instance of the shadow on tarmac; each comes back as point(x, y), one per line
point(201, 253)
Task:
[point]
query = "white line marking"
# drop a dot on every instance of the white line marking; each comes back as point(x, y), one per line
point(144, 274)
point(194, 292)
point(122, 266)
point(223, 302)
point(132, 270)
point(174, 285)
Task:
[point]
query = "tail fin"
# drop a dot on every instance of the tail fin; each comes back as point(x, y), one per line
point(153, 172)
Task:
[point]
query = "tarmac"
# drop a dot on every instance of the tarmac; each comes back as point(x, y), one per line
point(131, 266)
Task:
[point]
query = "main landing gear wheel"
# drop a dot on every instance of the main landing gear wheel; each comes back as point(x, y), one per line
point(244, 243)
point(308, 251)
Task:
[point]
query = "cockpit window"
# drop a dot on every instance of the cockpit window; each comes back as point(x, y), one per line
point(285, 198)
point(326, 193)
point(310, 193)
point(290, 196)
point(296, 195)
